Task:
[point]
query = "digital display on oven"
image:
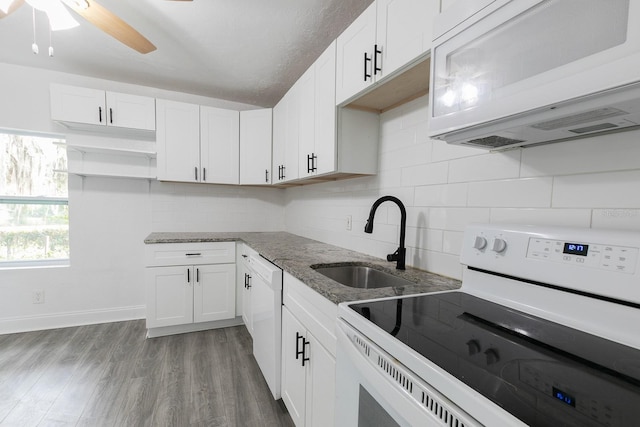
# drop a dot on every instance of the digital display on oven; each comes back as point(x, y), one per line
point(575, 249)
point(564, 397)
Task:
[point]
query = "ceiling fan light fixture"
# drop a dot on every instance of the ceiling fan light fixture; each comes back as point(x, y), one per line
point(59, 16)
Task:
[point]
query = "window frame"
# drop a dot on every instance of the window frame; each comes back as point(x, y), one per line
point(37, 200)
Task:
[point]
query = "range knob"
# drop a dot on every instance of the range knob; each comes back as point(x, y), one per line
point(473, 347)
point(499, 245)
point(480, 242)
point(492, 356)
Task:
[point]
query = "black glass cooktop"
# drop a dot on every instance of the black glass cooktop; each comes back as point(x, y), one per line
point(542, 372)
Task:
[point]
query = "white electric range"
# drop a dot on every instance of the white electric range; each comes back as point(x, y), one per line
point(545, 331)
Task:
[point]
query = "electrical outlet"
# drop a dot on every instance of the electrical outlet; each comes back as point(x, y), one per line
point(38, 296)
point(348, 222)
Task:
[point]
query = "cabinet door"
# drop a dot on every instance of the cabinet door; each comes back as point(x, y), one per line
point(78, 105)
point(321, 385)
point(306, 121)
point(131, 111)
point(169, 296)
point(178, 141)
point(354, 73)
point(219, 145)
point(292, 134)
point(325, 111)
point(293, 373)
point(279, 136)
point(214, 295)
point(404, 31)
point(255, 147)
point(247, 309)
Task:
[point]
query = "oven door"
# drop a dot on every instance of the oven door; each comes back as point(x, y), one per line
point(373, 388)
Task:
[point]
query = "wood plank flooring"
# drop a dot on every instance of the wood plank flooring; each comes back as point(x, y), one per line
point(110, 375)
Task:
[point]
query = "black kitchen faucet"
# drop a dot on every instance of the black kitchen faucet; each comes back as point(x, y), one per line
point(400, 254)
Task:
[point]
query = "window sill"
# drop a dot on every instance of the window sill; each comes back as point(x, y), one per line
point(22, 265)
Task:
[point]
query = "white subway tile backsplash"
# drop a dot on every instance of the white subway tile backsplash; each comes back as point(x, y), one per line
point(620, 219)
point(597, 190)
point(424, 238)
point(484, 167)
point(442, 195)
point(561, 217)
point(590, 182)
point(452, 242)
point(425, 174)
point(456, 219)
point(613, 152)
point(516, 193)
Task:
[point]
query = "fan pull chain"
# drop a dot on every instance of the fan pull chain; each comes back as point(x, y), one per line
point(50, 41)
point(34, 46)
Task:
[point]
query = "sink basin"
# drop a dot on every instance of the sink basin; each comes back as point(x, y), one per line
point(359, 276)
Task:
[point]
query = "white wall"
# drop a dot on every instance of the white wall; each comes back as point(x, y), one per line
point(110, 217)
point(592, 182)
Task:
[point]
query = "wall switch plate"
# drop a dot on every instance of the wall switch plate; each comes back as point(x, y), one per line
point(348, 222)
point(38, 296)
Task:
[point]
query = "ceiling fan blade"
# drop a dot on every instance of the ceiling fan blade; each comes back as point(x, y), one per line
point(112, 25)
point(12, 8)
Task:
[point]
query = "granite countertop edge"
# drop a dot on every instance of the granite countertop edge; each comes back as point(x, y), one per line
point(296, 254)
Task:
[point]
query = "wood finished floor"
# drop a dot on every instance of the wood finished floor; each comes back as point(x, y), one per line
point(110, 375)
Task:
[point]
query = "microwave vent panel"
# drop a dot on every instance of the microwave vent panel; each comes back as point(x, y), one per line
point(493, 141)
point(580, 118)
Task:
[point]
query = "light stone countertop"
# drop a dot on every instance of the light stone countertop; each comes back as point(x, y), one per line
point(296, 255)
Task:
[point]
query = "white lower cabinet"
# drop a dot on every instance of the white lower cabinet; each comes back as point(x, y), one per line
point(188, 284)
point(190, 294)
point(308, 355)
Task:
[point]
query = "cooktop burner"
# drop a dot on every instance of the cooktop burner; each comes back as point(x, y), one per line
point(542, 372)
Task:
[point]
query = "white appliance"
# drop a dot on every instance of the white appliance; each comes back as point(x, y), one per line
point(508, 73)
point(543, 331)
point(265, 282)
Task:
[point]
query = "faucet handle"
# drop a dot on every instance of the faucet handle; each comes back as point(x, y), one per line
point(393, 256)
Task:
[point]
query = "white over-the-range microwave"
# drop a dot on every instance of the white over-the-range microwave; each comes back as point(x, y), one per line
point(508, 73)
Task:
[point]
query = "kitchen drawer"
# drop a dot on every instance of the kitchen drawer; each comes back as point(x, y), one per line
point(165, 254)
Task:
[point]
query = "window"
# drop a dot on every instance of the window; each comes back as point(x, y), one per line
point(34, 203)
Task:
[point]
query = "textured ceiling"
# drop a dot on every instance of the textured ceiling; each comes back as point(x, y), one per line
point(249, 51)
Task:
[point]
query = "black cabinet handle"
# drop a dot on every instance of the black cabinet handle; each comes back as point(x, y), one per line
point(111, 115)
point(204, 174)
point(266, 175)
point(188, 275)
point(376, 52)
point(197, 275)
point(298, 351)
point(301, 352)
point(248, 281)
point(196, 171)
point(366, 59)
point(100, 114)
point(313, 162)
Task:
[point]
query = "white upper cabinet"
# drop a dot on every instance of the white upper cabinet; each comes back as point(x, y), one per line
point(317, 147)
point(255, 146)
point(389, 35)
point(197, 143)
point(78, 105)
point(354, 63)
point(178, 141)
point(286, 122)
point(219, 145)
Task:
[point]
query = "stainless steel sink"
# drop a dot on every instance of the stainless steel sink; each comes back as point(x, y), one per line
point(359, 276)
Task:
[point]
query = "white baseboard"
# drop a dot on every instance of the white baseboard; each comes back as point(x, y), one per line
point(193, 327)
point(69, 319)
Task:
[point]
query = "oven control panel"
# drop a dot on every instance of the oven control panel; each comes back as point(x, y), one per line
point(596, 261)
point(583, 254)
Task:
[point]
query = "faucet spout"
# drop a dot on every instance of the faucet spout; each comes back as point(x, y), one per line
point(400, 254)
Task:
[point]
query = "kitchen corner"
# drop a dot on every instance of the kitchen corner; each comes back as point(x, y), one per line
point(296, 254)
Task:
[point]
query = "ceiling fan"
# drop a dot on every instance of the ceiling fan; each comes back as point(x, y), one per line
point(59, 18)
